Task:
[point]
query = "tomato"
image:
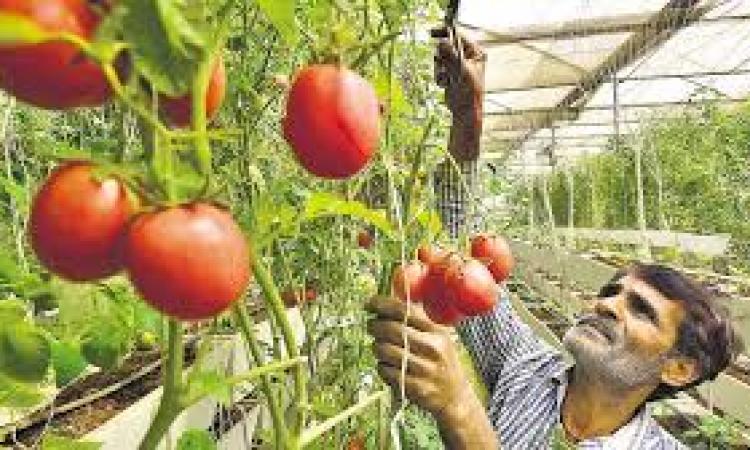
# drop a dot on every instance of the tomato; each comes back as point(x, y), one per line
point(294, 298)
point(438, 302)
point(53, 75)
point(77, 223)
point(410, 278)
point(190, 262)
point(472, 288)
point(179, 110)
point(428, 254)
point(495, 252)
point(332, 121)
point(357, 442)
point(364, 239)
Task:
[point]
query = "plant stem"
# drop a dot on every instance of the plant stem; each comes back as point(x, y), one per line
point(273, 301)
point(200, 87)
point(277, 415)
point(170, 405)
point(315, 432)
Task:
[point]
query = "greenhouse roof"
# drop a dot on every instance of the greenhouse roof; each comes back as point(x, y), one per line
point(553, 66)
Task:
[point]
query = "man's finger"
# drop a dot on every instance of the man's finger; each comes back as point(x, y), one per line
point(393, 355)
point(472, 50)
point(416, 388)
point(394, 309)
point(390, 332)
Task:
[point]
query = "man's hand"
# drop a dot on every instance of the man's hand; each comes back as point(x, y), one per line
point(434, 377)
point(462, 76)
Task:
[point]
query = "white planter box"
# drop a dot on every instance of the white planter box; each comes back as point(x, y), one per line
point(126, 430)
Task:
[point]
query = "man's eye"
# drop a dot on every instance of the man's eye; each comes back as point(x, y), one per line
point(609, 290)
point(641, 307)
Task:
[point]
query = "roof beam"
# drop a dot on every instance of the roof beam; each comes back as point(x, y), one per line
point(533, 119)
point(591, 27)
point(655, 77)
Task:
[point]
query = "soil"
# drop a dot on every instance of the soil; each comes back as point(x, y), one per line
point(84, 419)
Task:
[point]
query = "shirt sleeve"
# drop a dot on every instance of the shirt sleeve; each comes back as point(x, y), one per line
point(496, 339)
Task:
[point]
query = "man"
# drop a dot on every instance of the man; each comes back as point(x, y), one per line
point(650, 333)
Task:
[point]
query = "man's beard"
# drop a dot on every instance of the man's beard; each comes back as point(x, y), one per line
point(600, 354)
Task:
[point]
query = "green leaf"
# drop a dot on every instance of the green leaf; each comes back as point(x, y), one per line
point(18, 395)
point(167, 46)
point(16, 191)
point(67, 362)
point(281, 14)
point(326, 204)
point(24, 352)
point(15, 30)
point(430, 220)
point(12, 311)
point(56, 442)
point(196, 440)
point(205, 383)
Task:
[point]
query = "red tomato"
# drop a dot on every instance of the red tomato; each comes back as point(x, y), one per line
point(428, 254)
point(495, 252)
point(292, 298)
point(179, 110)
point(438, 302)
point(53, 75)
point(472, 288)
point(410, 278)
point(356, 443)
point(77, 223)
point(190, 262)
point(364, 239)
point(332, 121)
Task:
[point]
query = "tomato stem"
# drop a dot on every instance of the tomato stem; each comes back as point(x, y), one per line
point(170, 405)
point(246, 328)
point(274, 302)
point(309, 435)
point(200, 122)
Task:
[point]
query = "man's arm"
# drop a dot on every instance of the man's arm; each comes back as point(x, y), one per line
point(434, 378)
point(463, 80)
point(497, 338)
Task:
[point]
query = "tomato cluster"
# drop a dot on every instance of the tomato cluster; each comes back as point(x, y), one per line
point(190, 261)
point(451, 286)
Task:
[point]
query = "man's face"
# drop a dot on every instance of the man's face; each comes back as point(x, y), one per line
point(628, 334)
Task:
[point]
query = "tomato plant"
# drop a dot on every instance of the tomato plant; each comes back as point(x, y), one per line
point(77, 222)
point(332, 121)
point(53, 75)
point(189, 262)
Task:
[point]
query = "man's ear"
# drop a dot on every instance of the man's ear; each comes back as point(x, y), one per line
point(679, 371)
